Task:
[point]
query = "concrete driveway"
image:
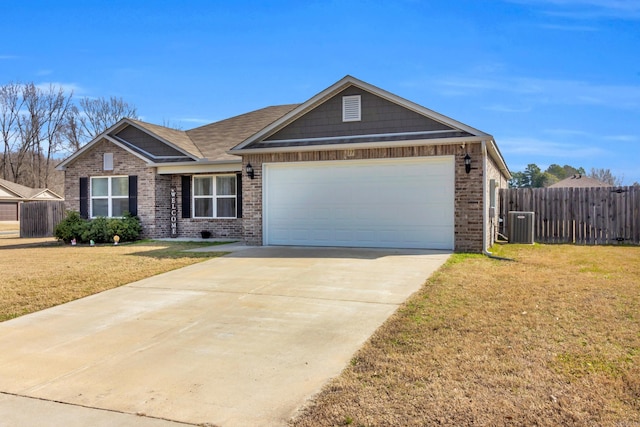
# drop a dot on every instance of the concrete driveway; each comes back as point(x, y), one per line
point(242, 340)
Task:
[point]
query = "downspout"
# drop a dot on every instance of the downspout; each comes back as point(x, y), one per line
point(485, 248)
point(485, 215)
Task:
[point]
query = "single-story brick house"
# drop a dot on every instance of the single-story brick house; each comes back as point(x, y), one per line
point(13, 195)
point(352, 166)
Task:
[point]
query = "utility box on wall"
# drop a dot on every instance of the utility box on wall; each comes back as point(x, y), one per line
point(521, 227)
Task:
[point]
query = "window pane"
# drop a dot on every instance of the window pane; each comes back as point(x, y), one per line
point(100, 207)
point(119, 207)
point(226, 207)
point(225, 186)
point(202, 186)
point(120, 186)
point(99, 187)
point(204, 207)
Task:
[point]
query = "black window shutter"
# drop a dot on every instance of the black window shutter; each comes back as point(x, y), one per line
point(186, 196)
point(84, 197)
point(133, 195)
point(239, 195)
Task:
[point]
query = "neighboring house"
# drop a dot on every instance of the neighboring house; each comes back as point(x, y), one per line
point(352, 166)
point(12, 195)
point(578, 181)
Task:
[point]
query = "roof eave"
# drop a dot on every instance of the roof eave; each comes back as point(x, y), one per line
point(360, 145)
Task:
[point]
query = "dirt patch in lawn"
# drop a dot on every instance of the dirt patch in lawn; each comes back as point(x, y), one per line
point(41, 273)
point(551, 339)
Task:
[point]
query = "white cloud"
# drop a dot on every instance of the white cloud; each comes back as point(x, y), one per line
point(587, 9)
point(545, 91)
point(535, 148)
point(623, 138)
point(195, 120)
point(67, 87)
point(7, 57)
point(507, 109)
point(581, 28)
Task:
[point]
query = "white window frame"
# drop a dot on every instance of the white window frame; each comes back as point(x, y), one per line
point(110, 197)
point(214, 197)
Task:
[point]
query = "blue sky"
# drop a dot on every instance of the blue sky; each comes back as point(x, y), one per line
point(554, 81)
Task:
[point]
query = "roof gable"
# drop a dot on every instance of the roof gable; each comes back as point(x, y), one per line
point(378, 117)
point(11, 190)
point(383, 115)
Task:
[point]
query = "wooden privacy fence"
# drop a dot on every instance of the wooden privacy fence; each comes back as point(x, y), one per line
point(588, 216)
point(38, 219)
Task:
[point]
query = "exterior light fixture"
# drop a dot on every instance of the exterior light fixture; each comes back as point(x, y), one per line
point(467, 163)
point(249, 170)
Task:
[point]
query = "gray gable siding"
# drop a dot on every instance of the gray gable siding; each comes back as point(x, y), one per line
point(146, 142)
point(379, 116)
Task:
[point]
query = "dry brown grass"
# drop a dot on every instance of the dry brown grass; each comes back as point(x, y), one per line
point(40, 273)
point(552, 339)
point(10, 226)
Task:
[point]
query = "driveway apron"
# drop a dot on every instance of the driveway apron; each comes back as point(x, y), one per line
point(245, 339)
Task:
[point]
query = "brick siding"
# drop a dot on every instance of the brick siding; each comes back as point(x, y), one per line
point(154, 195)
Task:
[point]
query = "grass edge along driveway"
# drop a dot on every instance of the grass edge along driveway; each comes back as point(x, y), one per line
point(551, 339)
point(42, 273)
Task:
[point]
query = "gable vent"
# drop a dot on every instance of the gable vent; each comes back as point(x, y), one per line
point(351, 108)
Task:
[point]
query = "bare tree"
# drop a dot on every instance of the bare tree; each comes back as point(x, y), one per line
point(10, 105)
point(605, 175)
point(37, 123)
point(100, 114)
point(40, 126)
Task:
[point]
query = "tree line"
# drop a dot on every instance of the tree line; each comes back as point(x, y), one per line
point(534, 177)
point(39, 125)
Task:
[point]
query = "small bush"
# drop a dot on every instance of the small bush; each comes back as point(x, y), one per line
point(127, 227)
point(100, 230)
point(71, 227)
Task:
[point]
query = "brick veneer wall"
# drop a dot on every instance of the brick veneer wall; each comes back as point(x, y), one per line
point(154, 194)
point(124, 163)
point(468, 187)
point(191, 227)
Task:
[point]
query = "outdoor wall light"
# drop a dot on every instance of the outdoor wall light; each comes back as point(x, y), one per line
point(249, 170)
point(467, 163)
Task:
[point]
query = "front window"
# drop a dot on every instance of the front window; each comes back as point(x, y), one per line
point(214, 196)
point(109, 196)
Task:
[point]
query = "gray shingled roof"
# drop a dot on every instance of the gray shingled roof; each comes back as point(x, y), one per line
point(579, 181)
point(179, 138)
point(216, 138)
point(23, 192)
point(212, 141)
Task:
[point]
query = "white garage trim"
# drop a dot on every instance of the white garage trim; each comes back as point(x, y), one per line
point(392, 203)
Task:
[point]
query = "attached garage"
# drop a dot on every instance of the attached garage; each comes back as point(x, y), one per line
point(8, 211)
point(390, 203)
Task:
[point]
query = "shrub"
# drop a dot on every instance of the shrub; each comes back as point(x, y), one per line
point(127, 227)
point(71, 227)
point(100, 230)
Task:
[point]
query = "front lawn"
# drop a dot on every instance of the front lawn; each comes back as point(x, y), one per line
point(551, 339)
point(41, 273)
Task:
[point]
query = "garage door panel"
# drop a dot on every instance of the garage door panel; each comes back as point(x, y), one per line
point(372, 203)
point(8, 211)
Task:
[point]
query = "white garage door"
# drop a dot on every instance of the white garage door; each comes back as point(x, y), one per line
point(390, 203)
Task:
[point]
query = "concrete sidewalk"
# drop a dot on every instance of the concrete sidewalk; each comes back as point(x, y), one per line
point(242, 340)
